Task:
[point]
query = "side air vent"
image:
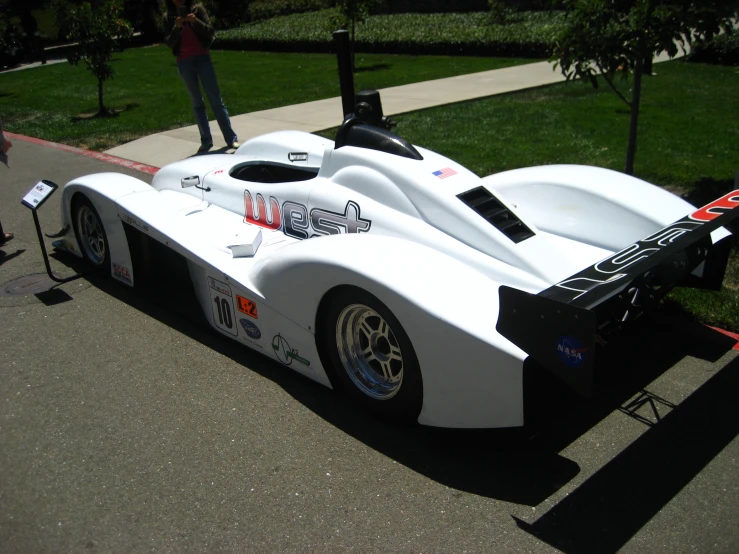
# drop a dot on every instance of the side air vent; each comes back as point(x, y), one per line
point(484, 203)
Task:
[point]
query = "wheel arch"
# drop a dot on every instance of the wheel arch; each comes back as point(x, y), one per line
point(102, 190)
point(298, 281)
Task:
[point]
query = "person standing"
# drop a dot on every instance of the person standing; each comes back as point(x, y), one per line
point(190, 38)
point(32, 37)
point(5, 145)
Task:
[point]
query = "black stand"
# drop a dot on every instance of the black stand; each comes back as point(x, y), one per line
point(46, 257)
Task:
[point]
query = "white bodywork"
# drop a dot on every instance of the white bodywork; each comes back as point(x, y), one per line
point(388, 225)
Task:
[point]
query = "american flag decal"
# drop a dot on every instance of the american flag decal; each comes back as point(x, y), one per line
point(444, 173)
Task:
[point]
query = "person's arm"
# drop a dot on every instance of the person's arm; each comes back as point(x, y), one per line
point(173, 30)
point(5, 143)
point(200, 22)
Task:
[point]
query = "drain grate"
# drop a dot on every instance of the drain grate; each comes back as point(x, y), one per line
point(30, 284)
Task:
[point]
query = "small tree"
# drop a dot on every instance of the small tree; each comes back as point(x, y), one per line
point(350, 13)
point(99, 29)
point(620, 37)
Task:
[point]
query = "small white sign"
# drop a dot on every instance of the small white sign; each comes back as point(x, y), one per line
point(38, 194)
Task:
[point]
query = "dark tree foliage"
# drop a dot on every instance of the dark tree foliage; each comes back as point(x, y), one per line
point(350, 13)
point(619, 38)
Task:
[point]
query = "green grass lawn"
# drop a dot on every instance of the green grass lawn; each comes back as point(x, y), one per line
point(56, 102)
point(688, 136)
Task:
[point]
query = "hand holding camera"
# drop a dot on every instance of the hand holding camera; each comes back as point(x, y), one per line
point(184, 17)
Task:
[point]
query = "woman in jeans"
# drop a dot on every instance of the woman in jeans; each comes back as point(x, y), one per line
point(190, 37)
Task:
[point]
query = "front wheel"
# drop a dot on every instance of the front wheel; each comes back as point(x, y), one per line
point(371, 355)
point(90, 233)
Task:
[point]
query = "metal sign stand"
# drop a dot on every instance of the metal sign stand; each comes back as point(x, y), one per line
point(33, 200)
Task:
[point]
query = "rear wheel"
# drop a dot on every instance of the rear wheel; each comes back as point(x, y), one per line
point(371, 355)
point(90, 233)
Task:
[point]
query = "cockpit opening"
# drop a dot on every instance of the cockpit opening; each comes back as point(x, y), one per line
point(271, 172)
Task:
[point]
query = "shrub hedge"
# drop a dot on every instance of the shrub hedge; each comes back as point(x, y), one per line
point(722, 50)
point(525, 34)
point(260, 10)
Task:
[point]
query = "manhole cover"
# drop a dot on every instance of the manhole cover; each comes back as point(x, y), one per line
point(30, 284)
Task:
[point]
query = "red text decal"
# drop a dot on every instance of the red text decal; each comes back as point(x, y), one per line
point(717, 207)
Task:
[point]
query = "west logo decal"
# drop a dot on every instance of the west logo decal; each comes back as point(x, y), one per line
point(295, 221)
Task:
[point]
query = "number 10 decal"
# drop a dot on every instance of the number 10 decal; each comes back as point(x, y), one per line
point(223, 306)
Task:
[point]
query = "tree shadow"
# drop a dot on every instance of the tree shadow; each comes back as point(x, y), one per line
point(371, 68)
point(107, 114)
point(707, 189)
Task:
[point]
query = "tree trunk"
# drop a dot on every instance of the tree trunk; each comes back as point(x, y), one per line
point(634, 123)
point(101, 106)
point(641, 59)
point(352, 45)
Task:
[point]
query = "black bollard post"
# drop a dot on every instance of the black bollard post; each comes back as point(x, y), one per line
point(346, 75)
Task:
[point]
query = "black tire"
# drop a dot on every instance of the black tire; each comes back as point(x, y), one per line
point(370, 355)
point(90, 233)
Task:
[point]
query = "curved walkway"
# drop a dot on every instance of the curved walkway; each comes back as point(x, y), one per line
point(161, 149)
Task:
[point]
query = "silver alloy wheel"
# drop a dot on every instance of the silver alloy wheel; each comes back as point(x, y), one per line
point(369, 351)
point(91, 234)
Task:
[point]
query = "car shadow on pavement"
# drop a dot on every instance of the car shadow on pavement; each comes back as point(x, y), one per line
point(523, 465)
point(603, 513)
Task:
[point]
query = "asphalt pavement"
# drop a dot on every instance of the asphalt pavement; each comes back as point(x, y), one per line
point(128, 426)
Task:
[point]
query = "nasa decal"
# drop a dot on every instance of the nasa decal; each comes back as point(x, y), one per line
point(570, 351)
point(295, 221)
point(223, 306)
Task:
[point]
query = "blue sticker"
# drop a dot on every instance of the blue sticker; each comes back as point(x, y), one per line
point(251, 329)
point(571, 351)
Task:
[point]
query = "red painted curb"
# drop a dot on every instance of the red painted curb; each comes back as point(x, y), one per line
point(728, 334)
point(151, 170)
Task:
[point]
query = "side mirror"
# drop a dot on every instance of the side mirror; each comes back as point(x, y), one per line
point(192, 181)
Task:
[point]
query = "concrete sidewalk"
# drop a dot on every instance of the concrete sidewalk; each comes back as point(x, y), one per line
point(161, 149)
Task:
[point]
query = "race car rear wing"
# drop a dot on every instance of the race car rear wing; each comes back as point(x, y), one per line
point(559, 327)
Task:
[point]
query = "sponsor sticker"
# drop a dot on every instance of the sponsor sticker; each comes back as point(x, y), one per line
point(444, 173)
point(223, 288)
point(286, 354)
point(134, 222)
point(122, 273)
point(298, 156)
point(251, 329)
point(246, 306)
point(223, 311)
point(570, 351)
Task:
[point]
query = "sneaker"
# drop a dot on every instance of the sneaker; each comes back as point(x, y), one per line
point(205, 147)
point(234, 145)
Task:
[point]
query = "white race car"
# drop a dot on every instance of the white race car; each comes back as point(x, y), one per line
point(392, 271)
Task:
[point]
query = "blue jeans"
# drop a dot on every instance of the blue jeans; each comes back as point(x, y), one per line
point(200, 68)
